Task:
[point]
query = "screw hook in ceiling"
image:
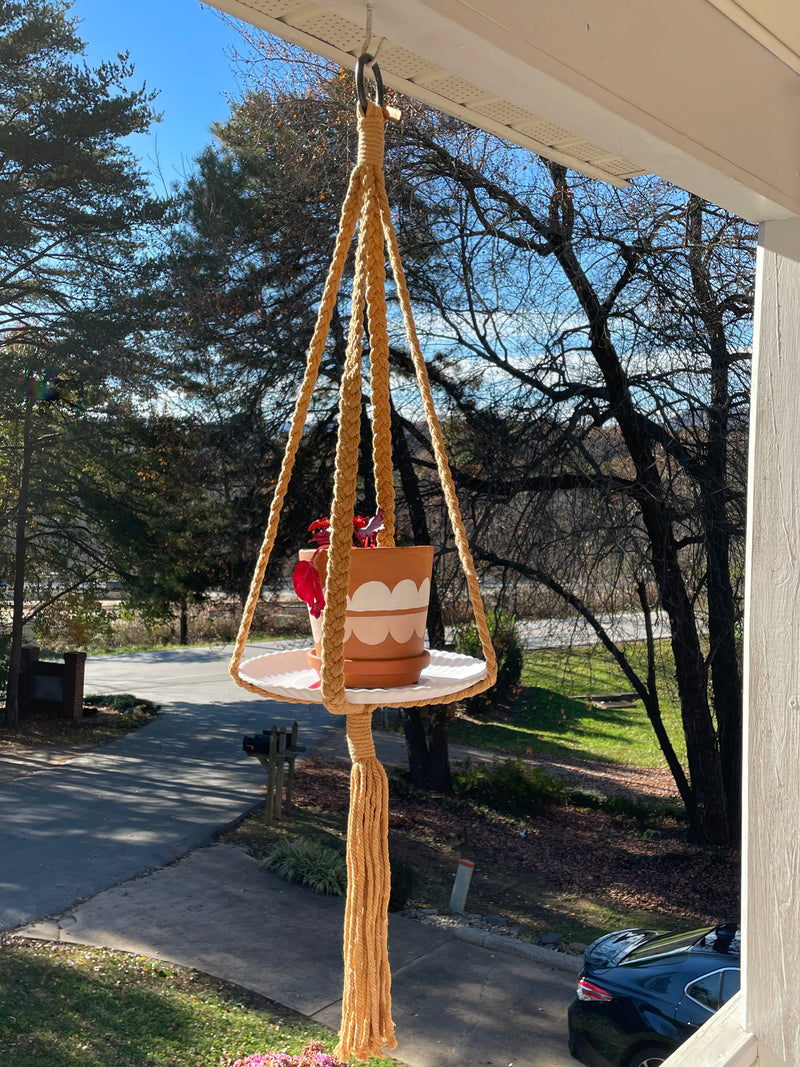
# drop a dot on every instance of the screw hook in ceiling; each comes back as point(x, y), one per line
point(365, 60)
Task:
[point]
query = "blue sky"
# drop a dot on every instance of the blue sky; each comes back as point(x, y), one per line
point(179, 47)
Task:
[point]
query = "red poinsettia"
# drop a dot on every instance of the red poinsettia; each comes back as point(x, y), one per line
point(305, 576)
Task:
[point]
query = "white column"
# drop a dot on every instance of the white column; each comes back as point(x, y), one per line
point(771, 831)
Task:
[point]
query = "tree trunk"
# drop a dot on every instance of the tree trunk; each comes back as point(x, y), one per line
point(419, 760)
point(653, 709)
point(426, 729)
point(705, 766)
point(705, 770)
point(726, 679)
point(184, 623)
point(438, 748)
point(723, 659)
point(427, 749)
point(20, 550)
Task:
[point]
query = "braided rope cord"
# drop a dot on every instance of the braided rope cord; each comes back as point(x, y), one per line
point(366, 998)
point(379, 337)
point(344, 495)
point(442, 464)
point(347, 226)
point(367, 1025)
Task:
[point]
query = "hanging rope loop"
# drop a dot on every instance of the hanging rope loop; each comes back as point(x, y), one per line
point(367, 1025)
point(370, 139)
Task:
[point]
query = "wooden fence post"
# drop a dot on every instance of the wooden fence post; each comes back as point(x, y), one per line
point(290, 774)
point(279, 775)
point(277, 756)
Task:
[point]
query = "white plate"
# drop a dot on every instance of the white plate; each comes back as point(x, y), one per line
point(288, 674)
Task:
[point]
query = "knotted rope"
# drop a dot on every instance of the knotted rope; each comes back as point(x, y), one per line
point(366, 1000)
point(366, 1006)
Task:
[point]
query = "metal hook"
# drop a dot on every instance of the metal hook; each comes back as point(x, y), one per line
point(366, 60)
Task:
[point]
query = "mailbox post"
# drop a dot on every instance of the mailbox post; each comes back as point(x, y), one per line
point(50, 687)
point(275, 750)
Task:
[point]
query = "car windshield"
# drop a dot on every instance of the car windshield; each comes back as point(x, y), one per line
point(723, 939)
point(667, 944)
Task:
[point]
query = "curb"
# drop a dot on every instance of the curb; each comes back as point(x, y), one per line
point(547, 957)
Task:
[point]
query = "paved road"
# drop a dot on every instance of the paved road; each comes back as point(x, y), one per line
point(149, 797)
point(557, 633)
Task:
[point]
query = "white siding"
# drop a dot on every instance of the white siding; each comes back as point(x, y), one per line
point(771, 854)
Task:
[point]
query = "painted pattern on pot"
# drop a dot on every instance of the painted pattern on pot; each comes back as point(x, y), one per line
point(387, 609)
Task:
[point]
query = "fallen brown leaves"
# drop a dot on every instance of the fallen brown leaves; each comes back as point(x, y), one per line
point(537, 870)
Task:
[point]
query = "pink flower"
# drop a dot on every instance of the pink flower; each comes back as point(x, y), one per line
point(313, 1055)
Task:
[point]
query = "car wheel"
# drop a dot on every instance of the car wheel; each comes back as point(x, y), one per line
point(652, 1056)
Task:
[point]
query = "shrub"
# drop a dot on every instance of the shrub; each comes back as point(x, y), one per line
point(503, 631)
point(119, 702)
point(307, 861)
point(75, 621)
point(508, 786)
point(622, 806)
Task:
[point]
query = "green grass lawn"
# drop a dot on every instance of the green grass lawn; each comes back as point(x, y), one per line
point(70, 1006)
point(548, 720)
point(101, 648)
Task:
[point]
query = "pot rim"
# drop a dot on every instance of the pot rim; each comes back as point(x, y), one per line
point(373, 548)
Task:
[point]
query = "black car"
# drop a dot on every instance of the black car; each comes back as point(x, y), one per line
point(641, 994)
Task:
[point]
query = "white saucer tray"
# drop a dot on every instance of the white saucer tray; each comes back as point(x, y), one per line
point(288, 674)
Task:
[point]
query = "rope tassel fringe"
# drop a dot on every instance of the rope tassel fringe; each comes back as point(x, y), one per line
point(367, 1025)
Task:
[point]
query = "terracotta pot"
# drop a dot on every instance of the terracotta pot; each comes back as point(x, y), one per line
point(387, 609)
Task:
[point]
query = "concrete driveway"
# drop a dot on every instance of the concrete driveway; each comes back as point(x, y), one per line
point(454, 1001)
point(143, 800)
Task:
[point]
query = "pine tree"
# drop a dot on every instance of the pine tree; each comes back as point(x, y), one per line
point(73, 211)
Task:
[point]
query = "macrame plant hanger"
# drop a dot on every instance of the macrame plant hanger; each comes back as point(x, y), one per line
point(366, 1005)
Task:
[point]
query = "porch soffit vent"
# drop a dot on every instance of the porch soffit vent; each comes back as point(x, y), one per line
point(330, 35)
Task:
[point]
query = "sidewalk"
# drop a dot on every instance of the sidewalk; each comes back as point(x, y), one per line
point(454, 1002)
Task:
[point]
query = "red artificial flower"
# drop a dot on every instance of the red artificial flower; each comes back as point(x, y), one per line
point(320, 531)
point(308, 586)
point(366, 530)
point(305, 576)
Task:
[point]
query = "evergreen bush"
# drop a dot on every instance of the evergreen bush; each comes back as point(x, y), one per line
point(307, 861)
point(508, 786)
point(507, 647)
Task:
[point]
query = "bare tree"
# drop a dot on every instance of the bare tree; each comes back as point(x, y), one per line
point(589, 347)
point(596, 346)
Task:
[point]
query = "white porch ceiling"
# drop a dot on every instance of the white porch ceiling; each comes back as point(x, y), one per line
point(705, 93)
